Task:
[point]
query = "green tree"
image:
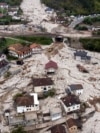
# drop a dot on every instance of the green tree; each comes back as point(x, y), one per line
point(18, 130)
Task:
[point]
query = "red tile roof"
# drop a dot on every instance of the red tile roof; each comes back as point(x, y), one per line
point(42, 81)
point(51, 64)
point(34, 45)
point(71, 122)
point(58, 129)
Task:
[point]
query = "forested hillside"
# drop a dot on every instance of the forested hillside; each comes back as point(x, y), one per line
point(12, 2)
point(75, 6)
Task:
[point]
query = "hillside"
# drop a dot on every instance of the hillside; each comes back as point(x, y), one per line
point(75, 6)
point(12, 2)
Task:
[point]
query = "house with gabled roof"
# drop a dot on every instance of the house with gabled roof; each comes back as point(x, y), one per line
point(19, 51)
point(27, 103)
point(36, 48)
point(42, 85)
point(51, 67)
point(76, 89)
point(70, 103)
point(82, 56)
point(58, 129)
point(72, 125)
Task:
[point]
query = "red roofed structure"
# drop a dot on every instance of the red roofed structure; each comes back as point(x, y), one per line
point(36, 48)
point(51, 67)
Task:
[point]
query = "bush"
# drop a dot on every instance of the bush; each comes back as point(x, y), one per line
point(81, 28)
point(17, 95)
point(19, 129)
point(91, 44)
point(50, 93)
point(7, 74)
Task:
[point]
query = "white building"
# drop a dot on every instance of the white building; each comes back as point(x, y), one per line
point(55, 113)
point(42, 85)
point(3, 5)
point(70, 103)
point(27, 103)
point(76, 89)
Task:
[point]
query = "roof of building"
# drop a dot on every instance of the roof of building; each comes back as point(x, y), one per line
point(34, 45)
point(83, 55)
point(3, 3)
point(80, 53)
point(71, 122)
point(20, 49)
point(58, 129)
point(42, 81)
point(76, 87)
point(24, 101)
point(51, 64)
point(70, 100)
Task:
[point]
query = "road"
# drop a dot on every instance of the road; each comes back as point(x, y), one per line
point(78, 20)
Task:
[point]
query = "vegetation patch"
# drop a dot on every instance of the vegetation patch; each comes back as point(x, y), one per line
point(12, 2)
point(90, 21)
point(50, 93)
point(40, 40)
point(91, 44)
point(74, 6)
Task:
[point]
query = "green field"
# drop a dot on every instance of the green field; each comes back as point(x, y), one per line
point(41, 40)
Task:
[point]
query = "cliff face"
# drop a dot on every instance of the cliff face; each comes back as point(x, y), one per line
point(75, 6)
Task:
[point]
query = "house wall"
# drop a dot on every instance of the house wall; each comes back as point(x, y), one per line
point(73, 129)
point(4, 6)
point(41, 89)
point(78, 92)
point(51, 70)
point(70, 108)
point(13, 53)
point(56, 116)
point(22, 109)
point(36, 50)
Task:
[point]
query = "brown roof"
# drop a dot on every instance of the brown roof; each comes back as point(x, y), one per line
point(76, 86)
point(58, 129)
point(34, 45)
point(42, 81)
point(71, 122)
point(24, 101)
point(70, 100)
point(51, 64)
point(20, 49)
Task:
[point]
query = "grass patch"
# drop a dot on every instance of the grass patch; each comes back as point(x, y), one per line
point(6, 42)
point(41, 40)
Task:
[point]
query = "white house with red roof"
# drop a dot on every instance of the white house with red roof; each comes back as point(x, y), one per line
point(36, 48)
point(51, 67)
